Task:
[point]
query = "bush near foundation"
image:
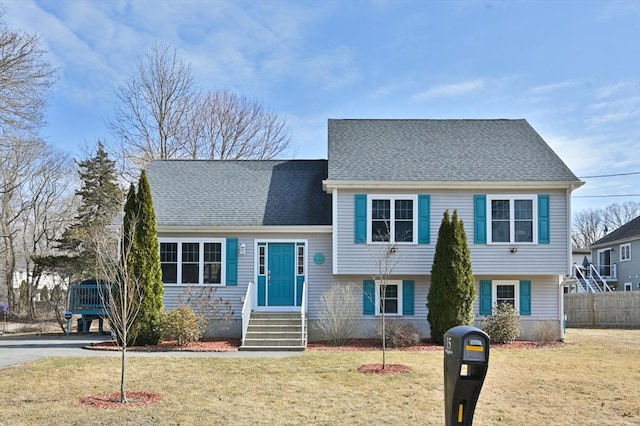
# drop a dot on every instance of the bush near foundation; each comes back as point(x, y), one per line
point(504, 325)
point(400, 334)
point(182, 324)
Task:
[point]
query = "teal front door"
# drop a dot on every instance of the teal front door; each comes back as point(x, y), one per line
point(281, 274)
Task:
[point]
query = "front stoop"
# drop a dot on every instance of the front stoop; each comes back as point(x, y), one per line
point(275, 331)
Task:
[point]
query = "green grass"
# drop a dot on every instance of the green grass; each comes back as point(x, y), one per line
point(591, 380)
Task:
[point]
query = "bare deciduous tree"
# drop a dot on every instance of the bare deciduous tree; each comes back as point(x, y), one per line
point(162, 114)
point(231, 127)
point(592, 224)
point(385, 258)
point(154, 106)
point(122, 290)
point(25, 79)
point(31, 182)
point(47, 209)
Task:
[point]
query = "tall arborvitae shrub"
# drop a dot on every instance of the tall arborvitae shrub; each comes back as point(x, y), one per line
point(452, 291)
point(146, 264)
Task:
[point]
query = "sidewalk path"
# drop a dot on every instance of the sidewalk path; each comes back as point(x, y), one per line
point(22, 348)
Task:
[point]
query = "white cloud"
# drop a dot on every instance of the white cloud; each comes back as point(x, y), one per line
point(551, 88)
point(451, 90)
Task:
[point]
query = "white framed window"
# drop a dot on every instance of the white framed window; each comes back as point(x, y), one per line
point(506, 292)
point(389, 298)
point(512, 219)
point(192, 261)
point(392, 218)
point(625, 252)
point(628, 286)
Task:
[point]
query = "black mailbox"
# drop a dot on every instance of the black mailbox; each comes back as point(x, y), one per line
point(466, 359)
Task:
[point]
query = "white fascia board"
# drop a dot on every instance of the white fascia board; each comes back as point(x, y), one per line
point(302, 229)
point(330, 185)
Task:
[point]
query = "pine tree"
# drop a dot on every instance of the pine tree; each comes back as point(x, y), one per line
point(146, 266)
point(100, 200)
point(452, 291)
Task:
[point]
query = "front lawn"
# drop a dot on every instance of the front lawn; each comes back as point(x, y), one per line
point(592, 379)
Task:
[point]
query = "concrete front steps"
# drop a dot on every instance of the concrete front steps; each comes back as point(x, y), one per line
point(275, 331)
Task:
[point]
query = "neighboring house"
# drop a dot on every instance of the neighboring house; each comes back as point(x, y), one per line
point(273, 236)
point(50, 280)
point(616, 257)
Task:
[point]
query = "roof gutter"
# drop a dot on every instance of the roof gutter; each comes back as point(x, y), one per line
point(329, 185)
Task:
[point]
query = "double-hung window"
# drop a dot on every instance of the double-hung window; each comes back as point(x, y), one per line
point(513, 219)
point(392, 219)
point(192, 261)
point(625, 252)
point(389, 298)
point(506, 292)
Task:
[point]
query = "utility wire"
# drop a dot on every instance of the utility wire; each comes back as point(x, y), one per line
point(605, 196)
point(612, 175)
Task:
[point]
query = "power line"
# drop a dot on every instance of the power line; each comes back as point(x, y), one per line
point(606, 196)
point(611, 175)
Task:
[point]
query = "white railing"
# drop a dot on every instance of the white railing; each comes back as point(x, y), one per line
point(589, 281)
point(594, 272)
point(303, 313)
point(607, 271)
point(247, 308)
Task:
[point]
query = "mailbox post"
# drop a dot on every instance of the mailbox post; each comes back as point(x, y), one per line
point(466, 359)
point(67, 316)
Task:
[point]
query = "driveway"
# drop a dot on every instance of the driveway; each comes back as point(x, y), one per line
point(17, 349)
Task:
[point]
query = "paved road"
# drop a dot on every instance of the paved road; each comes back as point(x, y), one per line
point(16, 349)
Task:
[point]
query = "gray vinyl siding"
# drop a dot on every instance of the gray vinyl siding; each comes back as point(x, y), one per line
point(550, 258)
point(629, 270)
point(545, 297)
point(318, 276)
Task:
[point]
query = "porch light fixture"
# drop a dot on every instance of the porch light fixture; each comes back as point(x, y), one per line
point(513, 249)
point(243, 248)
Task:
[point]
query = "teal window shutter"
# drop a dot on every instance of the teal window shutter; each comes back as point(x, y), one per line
point(480, 218)
point(408, 297)
point(485, 297)
point(544, 235)
point(525, 297)
point(424, 219)
point(232, 261)
point(360, 228)
point(368, 297)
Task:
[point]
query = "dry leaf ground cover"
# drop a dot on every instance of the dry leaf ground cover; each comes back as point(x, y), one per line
point(591, 380)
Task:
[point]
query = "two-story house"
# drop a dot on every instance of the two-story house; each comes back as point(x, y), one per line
point(617, 257)
point(273, 236)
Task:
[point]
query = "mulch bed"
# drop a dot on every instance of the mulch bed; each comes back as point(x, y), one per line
point(388, 369)
point(112, 400)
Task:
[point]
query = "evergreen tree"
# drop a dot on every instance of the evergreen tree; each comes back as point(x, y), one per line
point(452, 291)
point(146, 266)
point(100, 200)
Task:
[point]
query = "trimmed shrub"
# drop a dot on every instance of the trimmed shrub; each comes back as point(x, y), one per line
point(399, 334)
point(452, 290)
point(504, 325)
point(181, 324)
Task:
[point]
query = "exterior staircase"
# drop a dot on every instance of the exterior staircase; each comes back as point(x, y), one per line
point(275, 331)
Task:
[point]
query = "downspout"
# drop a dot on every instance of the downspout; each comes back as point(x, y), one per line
point(567, 275)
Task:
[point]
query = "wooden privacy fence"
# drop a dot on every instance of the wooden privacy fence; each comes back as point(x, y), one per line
point(604, 310)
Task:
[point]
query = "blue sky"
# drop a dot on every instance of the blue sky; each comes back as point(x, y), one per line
point(571, 68)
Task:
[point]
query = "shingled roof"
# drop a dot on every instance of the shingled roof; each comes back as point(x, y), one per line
point(628, 231)
point(442, 150)
point(239, 192)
